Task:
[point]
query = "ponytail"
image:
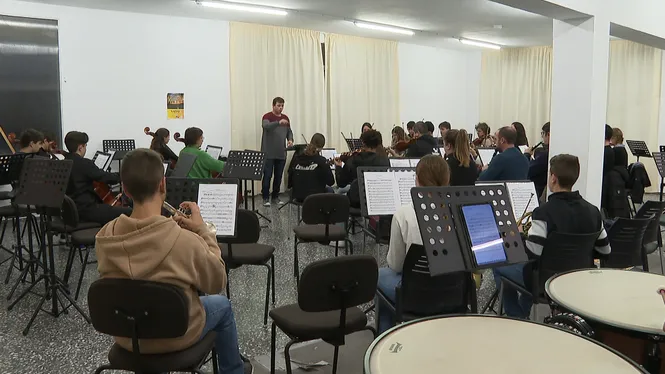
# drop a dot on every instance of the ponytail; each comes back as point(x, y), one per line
point(317, 142)
point(459, 140)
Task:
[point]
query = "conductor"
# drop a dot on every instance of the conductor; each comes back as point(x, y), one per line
point(276, 131)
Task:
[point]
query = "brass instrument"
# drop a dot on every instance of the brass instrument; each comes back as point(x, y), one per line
point(174, 211)
point(525, 222)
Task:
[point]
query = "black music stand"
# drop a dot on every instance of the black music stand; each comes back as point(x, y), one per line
point(638, 148)
point(179, 190)
point(42, 185)
point(10, 171)
point(183, 166)
point(246, 166)
point(662, 148)
point(353, 144)
point(120, 146)
point(448, 249)
point(659, 158)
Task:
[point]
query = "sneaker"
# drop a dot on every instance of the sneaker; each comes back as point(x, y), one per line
point(266, 203)
point(277, 201)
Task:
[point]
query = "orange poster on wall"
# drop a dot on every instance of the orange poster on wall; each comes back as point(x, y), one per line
point(175, 105)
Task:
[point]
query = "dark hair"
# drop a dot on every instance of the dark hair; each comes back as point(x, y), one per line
point(49, 136)
point(566, 168)
point(401, 135)
point(459, 140)
point(157, 142)
point(366, 124)
point(444, 125)
point(617, 135)
point(317, 142)
point(192, 136)
point(410, 124)
point(430, 126)
point(433, 171)
point(420, 128)
point(74, 139)
point(483, 127)
point(30, 136)
point(277, 100)
point(521, 134)
point(608, 132)
point(141, 172)
point(371, 139)
point(546, 128)
point(509, 134)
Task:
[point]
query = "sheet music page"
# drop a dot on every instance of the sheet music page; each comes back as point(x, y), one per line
point(405, 181)
point(329, 154)
point(520, 193)
point(100, 161)
point(486, 155)
point(59, 156)
point(400, 163)
point(414, 162)
point(523, 148)
point(214, 152)
point(110, 159)
point(218, 204)
point(166, 167)
point(381, 193)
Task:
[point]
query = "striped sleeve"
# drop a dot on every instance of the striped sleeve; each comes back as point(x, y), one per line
point(537, 237)
point(603, 243)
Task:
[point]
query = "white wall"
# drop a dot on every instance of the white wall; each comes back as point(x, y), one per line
point(116, 69)
point(439, 85)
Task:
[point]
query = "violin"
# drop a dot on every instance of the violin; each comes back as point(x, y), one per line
point(344, 157)
point(11, 141)
point(403, 145)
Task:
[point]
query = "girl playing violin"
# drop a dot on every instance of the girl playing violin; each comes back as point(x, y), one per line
point(484, 139)
point(160, 139)
point(398, 138)
point(204, 164)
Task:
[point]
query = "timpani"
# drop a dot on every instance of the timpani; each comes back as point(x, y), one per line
point(484, 344)
point(623, 307)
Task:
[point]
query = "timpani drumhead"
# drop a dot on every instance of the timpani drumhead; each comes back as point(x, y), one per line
point(485, 344)
point(625, 299)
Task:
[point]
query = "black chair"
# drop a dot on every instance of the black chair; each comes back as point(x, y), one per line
point(321, 214)
point(81, 238)
point(244, 250)
point(562, 252)
point(302, 187)
point(422, 295)
point(652, 238)
point(184, 165)
point(626, 237)
point(327, 309)
point(136, 309)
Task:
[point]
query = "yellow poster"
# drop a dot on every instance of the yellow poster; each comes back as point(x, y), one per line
point(175, 106)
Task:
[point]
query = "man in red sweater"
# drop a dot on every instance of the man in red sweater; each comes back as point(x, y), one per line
point(277, 135)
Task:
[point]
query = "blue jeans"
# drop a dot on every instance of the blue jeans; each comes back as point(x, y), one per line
point(219, 318)
point(278, 167)
point(515, 304)
point(330, 189)
point(388, 280)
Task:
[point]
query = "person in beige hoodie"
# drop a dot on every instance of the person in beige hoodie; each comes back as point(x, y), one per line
point(179, 251)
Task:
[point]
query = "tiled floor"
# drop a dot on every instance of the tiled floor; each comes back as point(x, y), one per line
point(69, 345)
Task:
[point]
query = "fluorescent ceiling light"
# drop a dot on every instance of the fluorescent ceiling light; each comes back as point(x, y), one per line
point(373, 26)
point(478, 43)
point(244, 7)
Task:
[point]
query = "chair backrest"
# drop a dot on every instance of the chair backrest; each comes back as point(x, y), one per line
point(564, 252)
point(626, 237)
point(136, 309)
point(651, 209)
point(304, 184)
point(69, 212)
point(424, 295)
point(325, 208)
point(184, 165)
point(248, 229)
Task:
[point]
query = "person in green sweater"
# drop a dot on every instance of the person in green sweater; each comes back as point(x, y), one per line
point(204, 164)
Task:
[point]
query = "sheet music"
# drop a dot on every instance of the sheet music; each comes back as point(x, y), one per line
point(59, 156)
point(101, 160)
point(400, 163)
point(380, 192)
point(329, 154)
point(520, 193)
point(414, 162)
point(523, 148)
point(442, 151)
point(406, 180)
point(218, 204)
point(213, 151)
point(166, 167)
point(110, 159)
point(486, 155)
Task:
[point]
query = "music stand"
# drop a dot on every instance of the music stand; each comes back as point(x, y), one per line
point(442, 228)
point(10, 171)
point(353, 144)
point(659, 158)
point(42, 185)
point(638, 148)
point(246, 166)
point(184, 165)
point(120, 146)
point(662, 148)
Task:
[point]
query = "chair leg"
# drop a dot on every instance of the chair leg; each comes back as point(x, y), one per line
point(349, 245)
point(336, 248)
point(273, 332)
point(228, 285)
point(265, 314)
point(215, 368)
point(491, 302)
point(660, 253)
point(287, 356)
point(102, 368)
point(335, 359)
point(296, 267)
point(272, 265)
point(83, 267)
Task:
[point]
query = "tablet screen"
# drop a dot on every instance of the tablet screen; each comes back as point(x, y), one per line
point(486, 242)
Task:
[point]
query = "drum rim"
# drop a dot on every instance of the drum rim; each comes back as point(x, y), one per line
point(567, 307)
point(370, 349)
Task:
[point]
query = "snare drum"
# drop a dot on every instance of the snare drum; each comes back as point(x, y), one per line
point(484, 344)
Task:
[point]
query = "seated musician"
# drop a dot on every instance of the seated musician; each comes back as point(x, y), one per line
point(510, 164)
point(159, 144)
point(565, 212)
point(80, 189)
point(48, 147)
point(204, 165)
point(180, 251)
point(319, 175)
point(463, 170)
point(484, 139)
point(431, 171)
point(371, 154)
point(538, 166)
point(398, 137)
point(31, 141)
point(425, 143)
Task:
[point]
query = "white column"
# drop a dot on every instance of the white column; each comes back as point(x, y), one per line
point(661, 118)
point(579, 98)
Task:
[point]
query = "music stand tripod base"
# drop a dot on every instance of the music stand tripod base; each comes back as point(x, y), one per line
point(247, 166)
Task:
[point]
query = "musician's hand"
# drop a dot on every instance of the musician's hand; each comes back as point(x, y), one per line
point(289, 143)
point(283, 122)
point(485, 167)
point(528, 151)
point(194, 221)
point(520, 228)
point(337, 162)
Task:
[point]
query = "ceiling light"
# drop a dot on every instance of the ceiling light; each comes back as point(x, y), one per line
point(478, 43)
point(244, 7)
point(373, 26)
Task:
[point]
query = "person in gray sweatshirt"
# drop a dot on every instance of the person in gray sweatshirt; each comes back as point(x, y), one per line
point(277, 135)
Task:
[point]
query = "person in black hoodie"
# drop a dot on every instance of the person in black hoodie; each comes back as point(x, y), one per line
point(319, 174)
point(620, 153)
point(159, 144)
point(463, 171)
point(371, 154)
point(424, 145)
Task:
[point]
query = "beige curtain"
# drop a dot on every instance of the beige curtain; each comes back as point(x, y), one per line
point(516, 86)
point(633, 98)
point(268, 61)
point(362, 78)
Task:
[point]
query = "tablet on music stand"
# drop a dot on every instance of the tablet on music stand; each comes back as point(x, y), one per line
point(214, 151)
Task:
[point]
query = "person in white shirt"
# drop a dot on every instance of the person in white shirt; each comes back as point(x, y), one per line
point(432, 170)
